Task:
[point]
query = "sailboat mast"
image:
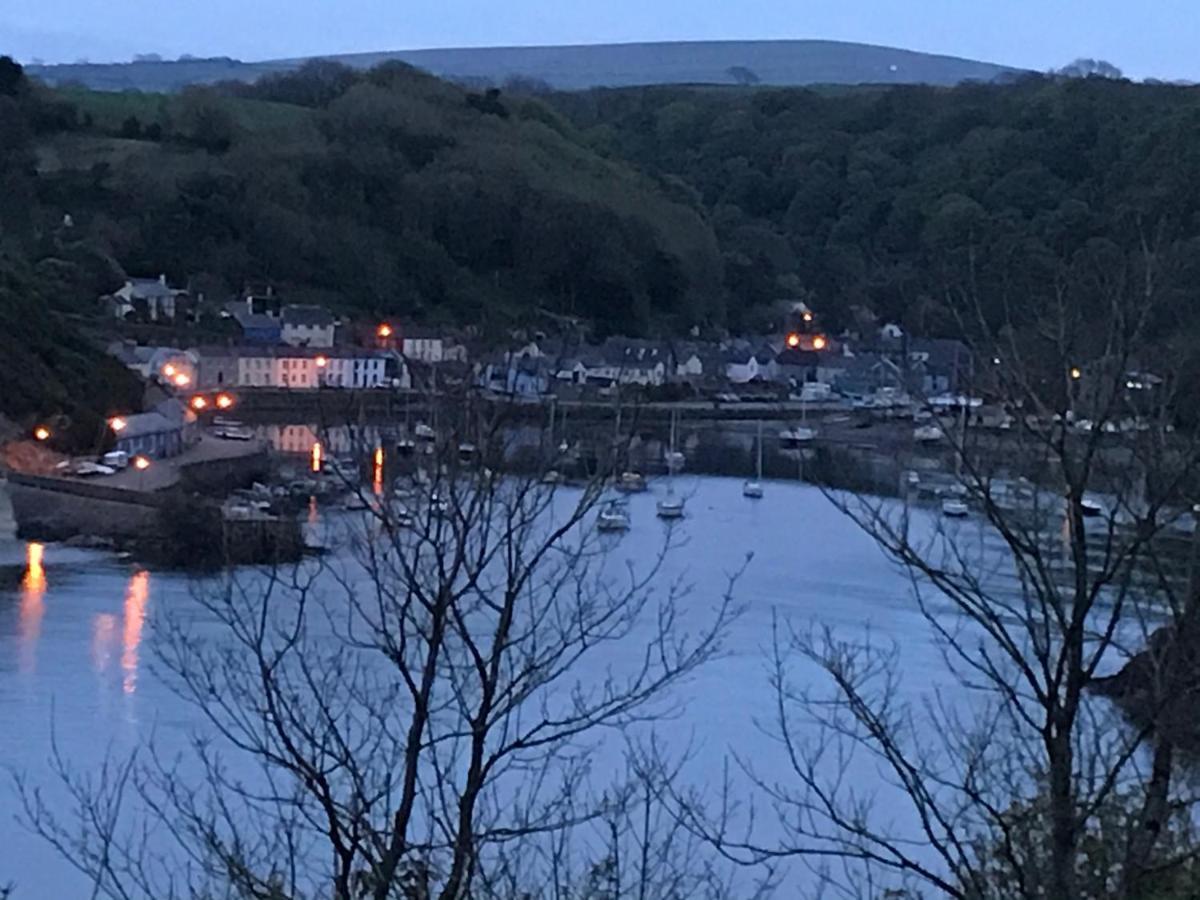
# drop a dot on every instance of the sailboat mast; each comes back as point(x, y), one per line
point(758, 468)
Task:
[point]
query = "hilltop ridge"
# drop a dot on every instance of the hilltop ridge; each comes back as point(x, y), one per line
point(778, 63)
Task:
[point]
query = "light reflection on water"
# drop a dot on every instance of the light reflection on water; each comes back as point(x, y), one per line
point(135, 617)
point(33, 605)
point(104, 633)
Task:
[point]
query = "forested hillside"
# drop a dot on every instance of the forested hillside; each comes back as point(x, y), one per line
point(388, 192)
point(889, 199)
point(47, 366)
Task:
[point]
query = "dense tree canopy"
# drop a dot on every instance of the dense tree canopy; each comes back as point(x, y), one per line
point(890, 198)
point(385, 192)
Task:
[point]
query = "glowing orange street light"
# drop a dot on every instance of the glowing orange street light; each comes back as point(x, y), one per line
point(168, 371)
point(793, 340)
point(224, 401)
point(182, 380)
point(42, 433)
point(1076, 373)
point(322, 362)
point(384, 330)
point(808, 317)
point(141, 463)
point(199, 403)
point(819, 343)
point(117, 424)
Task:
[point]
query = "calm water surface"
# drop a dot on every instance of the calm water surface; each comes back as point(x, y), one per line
point(77, 637)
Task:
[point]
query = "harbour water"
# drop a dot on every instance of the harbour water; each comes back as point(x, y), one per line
point(78, 636)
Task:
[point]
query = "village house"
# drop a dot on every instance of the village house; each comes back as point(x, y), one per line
point(688, 362)
point(423, 345)
point(149, 299)
point(518, 374)
point(307, 326)
point(163, 432)
point(301, 368)
point(744, 366)
point(161, 363)
point(258, 328)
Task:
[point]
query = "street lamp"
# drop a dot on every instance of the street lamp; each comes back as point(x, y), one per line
point(42, 433)
point(199, 403)
point(322, 362)
point(182, 380)
point(141, 463)
point(224, 401)
point(117, 424)
point(168, 371)
point(793, 340)
point(1076, 373)
point(384, 330)
point(819, 343)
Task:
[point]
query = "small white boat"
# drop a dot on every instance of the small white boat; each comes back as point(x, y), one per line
point(954, 508)
point(466, 451)
point(631, 483)
point(794, 437)
point(670, 507)
point(928, 434)
point(1091, 509)
point(424, 433)
point(613, 517)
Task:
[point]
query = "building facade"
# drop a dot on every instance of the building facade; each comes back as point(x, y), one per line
point(300, 368)
point(307, 326)
point(163, 432)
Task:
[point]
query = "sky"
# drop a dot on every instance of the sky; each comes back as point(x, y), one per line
point(1146, 38)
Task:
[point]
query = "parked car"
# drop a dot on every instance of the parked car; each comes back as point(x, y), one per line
point(116, 459)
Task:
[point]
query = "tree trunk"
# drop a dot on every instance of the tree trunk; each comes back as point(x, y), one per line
point(1062, 813)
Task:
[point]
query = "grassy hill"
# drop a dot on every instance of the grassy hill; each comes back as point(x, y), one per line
point(779, 63)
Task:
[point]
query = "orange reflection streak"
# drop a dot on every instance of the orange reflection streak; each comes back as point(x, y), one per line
point(33, 607)
point(135, 617)
point(316, 456)
point(104, 630)
point(377, 482)
point(314, 514)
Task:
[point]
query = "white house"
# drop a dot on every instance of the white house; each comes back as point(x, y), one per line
point(745, 366)
point(423, 346)
point(688, 365)
point(307, 326)
point(159, 300)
